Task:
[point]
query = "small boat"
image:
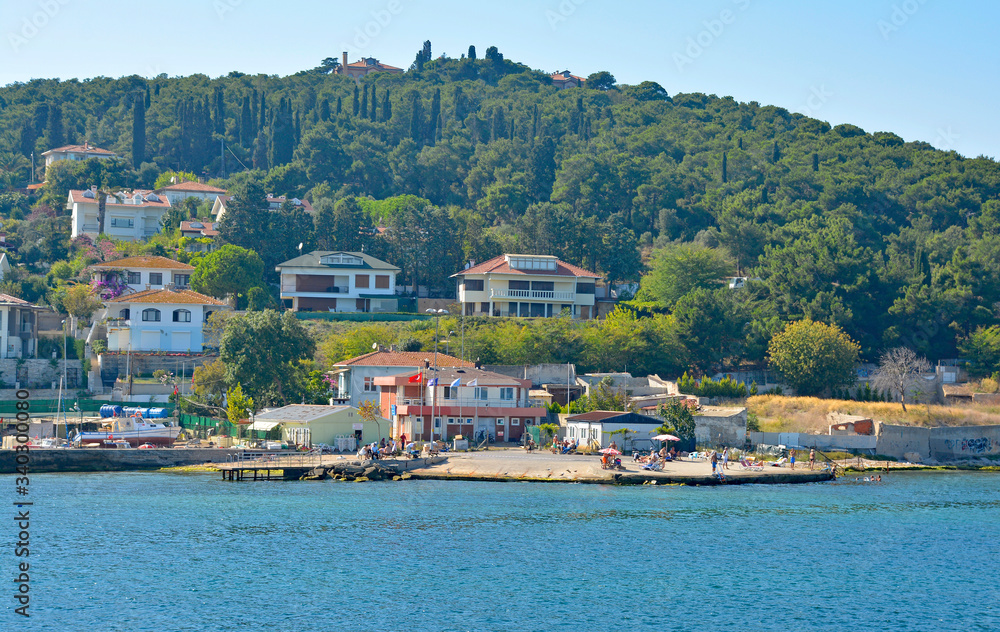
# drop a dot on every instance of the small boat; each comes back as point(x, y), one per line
point(135, 430)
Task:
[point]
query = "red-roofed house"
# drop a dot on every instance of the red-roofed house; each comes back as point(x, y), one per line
point(180, 191)
point(159, 320)
point(128, 215)
point(199, 230)
point(76, 152)
point(365, 66)
point(564, 79)
point(355, 378)
point(273, 204)
point(527, 285)
point(145, 272)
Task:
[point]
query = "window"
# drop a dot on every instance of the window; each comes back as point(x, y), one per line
point(451, 421)
point(437, 423)
point(182, 279)
point(481, 393)
point(484, 307)
point(543, 286)
point(370, 385)
point(124, 314)
point(585, 288)
point(151, 315)
point(156, 278)
point(382, 281)
point(361, 281)
point(514, 421)
point(450, 393)
point(518, 285)
point(182, 316)
point(134, 278)
point(474, 285)
point(507, 393)
point(122, 222)
point(500, 421)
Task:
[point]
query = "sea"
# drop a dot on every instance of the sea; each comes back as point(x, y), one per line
point(171, 552)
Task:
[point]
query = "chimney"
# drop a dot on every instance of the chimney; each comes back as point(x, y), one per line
point(93, 188)
point(344, 65)
point(427, 363)
point(86, 145)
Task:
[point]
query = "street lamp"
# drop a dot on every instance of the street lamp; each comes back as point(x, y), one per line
point(437, 314)
point(62, 384)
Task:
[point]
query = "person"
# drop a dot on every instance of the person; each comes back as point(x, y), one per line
point(604, 460)
point(402, 439)
point(614, 446)
point(715, 460)
point(663, 451)
point(791, 458)
point(812, 458)
point(725, 459)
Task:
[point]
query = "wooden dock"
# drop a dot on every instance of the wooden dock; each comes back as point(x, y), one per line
point(250, 466)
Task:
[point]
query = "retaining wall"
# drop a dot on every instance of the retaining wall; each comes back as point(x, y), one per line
point(964, 442)
point(898, 441)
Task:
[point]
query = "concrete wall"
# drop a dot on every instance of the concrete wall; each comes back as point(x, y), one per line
point(820, 442)
point(947, 444)
point(538, 374)
point(721, 430)
point(899, 441)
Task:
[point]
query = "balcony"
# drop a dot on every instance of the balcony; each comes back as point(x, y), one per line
point(464, 403)
point(536, 295)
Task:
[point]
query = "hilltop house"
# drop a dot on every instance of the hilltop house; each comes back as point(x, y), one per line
point(354, 379)
point(564, 79)
point(527, 285)
point(128, 215)
point(462, 401)
point(141, 273)
point(273, 204)
point(338, 282)
point(200, 230)
point(76, 152)
point(180, 191)
point(18, 327)
point(365, 66)
point(167, 319)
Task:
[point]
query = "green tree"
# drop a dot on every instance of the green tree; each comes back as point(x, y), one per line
point(814, 357)
point(138, 130)
point(602, 80)
point(228, 270)
point(681, 268)
point(677, 418)
point(238, 406)
point(339, 225)
point(982, 350)
point(209, 382)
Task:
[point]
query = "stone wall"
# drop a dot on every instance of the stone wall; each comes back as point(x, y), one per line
point(820, 442)
point(722, 427)
point(964, 442)
point(39, 374)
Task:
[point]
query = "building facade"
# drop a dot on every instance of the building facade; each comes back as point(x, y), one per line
point(527, 285)
point(463, 401)
point(180, 191)
point(273, 204)
point(338, 282)
point(160, 320)
point(565, 79)
point(76, 152)
point(143, 273)
point(354, 380)
point(18, 327)
point(128, 215)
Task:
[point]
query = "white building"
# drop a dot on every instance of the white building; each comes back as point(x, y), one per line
point(145, 272)
point(338, 282)
point(355, 378)
point(159, 320)
point(18, 327)
point(128, 215)
point(177, 193)
point(76, 152)
point(527, 285)
point(273, 204)
point(595, 428)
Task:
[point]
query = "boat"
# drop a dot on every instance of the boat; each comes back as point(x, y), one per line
point(135, 430)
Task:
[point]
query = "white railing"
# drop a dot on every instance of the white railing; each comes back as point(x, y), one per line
point(464, 402)
point(534, 294)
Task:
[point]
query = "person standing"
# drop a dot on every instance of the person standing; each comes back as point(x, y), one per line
point(791, 457)
point(812, 458)
point(715, 460)
point(725, 458)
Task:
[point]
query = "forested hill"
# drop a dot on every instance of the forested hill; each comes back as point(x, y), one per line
point(895, 241)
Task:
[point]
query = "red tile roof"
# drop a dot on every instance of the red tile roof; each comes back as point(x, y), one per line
point(151, 261)
point(80, 149)
point(7, 298)
point(206, 229)
point(565, 76)
point(364, 64)
point(499, 265)
point(403, 358)
point(186, 297)
point(192, 186)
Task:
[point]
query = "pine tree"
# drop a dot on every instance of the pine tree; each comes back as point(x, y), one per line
point(138, 130)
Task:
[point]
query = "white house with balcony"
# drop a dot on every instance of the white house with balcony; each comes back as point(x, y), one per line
point(457, 401)
point(338, 282)
point(273, 204)
point(354, 380)
point(128, 215)
point(18, 327)
point(144, 273)
point(180, 191)
point(76, 152)
point(527, 285)
point(159, 320)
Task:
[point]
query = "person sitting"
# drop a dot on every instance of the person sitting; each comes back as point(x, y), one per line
point(604, 461)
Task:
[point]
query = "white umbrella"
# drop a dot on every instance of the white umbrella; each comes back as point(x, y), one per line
point(666, 437)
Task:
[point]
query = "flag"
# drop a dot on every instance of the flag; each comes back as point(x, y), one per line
point(456, 383)
point(474, 382)
point(416, 379)
point(432, 382)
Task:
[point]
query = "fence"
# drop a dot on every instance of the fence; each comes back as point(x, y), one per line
point(8, 407)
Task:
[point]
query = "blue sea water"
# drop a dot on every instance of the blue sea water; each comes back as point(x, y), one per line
point(157, 551)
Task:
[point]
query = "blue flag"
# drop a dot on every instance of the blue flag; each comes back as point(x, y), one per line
point(456, 383)
point(432, 382)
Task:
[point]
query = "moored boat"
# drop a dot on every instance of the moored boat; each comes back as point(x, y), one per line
point(136, 430)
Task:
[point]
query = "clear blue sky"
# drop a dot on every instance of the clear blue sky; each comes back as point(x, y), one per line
point(924, 69)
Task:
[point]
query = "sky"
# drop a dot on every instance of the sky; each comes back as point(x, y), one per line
point(924, 69)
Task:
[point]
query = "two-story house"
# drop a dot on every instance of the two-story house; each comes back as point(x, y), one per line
point(167, 319)
point(128, 215)
point(457, 401)
point(18, 327)
point(527, 285)
point(565, 79)
point(180, 191)
point(338, 282)
point(354, 379)
point(76, 152)
point(273, 204)
point(147, 272)
point(365, 66)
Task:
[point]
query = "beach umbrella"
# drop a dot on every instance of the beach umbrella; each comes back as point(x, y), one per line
point(666, 437)
point(609, 451)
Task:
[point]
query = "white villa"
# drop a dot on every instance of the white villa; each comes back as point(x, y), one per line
point(128, 215)
point(273, 204)
point(76, 152)
point(338, 282)
point(145, 272)
point(18, 327)
point(159, 320)
point(180, 191)
point(527, 285)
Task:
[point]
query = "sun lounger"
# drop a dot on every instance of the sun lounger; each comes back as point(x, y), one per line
point(751, 465)
point(654, 467)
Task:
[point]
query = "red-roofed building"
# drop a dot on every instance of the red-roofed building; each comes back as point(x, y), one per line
point(199, 230)
point(180, 191)
point(273, 204)
point(527, 285)
point(76, 152)
point(564, 79)
point(354, 379)
point(364, 66)
point(143, 273)
point(159, 320)
point(128, 215)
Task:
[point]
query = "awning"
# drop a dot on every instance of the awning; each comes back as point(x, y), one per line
point(265, 425)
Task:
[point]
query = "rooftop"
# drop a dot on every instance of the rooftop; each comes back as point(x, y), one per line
point(145, 261)
point(315, 258)
point(303, 413)
point(168, 297)
point(192, 186)
point(123, 199)
point(503, 265)
point(447, 375)
point(85, 148)
point(7, 299)
point(403, 359)
point(207, 229)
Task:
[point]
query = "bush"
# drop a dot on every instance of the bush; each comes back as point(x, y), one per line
point(727, 387)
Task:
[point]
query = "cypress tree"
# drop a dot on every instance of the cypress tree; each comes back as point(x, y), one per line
point(357, 103)
point(262, 111)
point(472, 53)
point(725, 175)
point(156, 90)
point(364, 103)
point(815, 162)
point(740, 143)
point(775, 153)
point(146, 103)
point(459, 102)
point(386, 107)
point(54, 126)
point(374, 113)
point(499, 127)
point(298, 130)
point(340, 106)
point(260, 151)
point(417, 121)
point(138, 131)
point(534, 123)
point(324, 110)
point(435, 116)
point(247, 134)
point(220, 111)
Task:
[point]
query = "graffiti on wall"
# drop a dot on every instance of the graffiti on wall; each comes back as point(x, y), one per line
point(981, 445)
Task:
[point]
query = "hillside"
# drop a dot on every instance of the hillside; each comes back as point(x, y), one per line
point(897, 242)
